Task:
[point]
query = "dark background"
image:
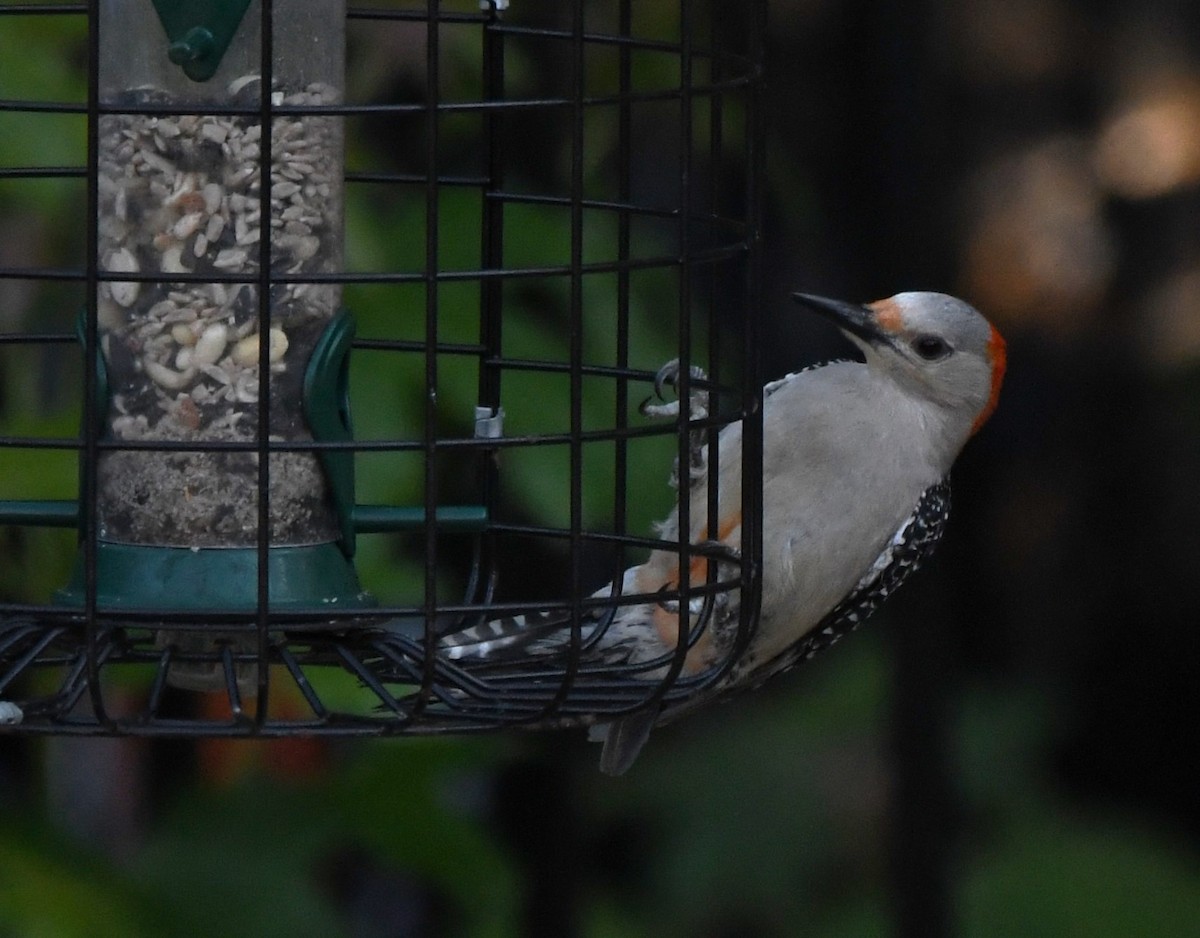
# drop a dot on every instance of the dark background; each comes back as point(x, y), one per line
point(1009, 748)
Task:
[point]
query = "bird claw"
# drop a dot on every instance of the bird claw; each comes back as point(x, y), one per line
point(668, 375)
point(718, 604)
point(671, 606)
point(668, 409)
point(724, 553)
point(698, 409)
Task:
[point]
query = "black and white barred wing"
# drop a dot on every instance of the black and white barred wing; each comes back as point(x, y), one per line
point(911, 545)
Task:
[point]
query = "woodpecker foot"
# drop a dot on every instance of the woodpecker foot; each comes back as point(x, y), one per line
point(719, 605)
point(724, 553)
point(668, 375)
point(698, 409)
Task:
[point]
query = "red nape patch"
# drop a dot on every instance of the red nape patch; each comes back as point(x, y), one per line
point(998, 350)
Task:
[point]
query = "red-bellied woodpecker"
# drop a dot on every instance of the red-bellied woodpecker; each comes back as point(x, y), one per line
point(856, 459)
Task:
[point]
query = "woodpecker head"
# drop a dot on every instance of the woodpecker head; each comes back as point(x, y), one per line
point(934, 346)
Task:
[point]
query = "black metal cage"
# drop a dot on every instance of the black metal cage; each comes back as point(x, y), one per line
point(543, 203)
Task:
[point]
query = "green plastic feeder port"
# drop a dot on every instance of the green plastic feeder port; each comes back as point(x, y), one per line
point(199, 32)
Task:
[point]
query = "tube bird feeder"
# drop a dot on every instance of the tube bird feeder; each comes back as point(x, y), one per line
point(543, 203)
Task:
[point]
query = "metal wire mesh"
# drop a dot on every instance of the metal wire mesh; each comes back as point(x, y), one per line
point(590, 183)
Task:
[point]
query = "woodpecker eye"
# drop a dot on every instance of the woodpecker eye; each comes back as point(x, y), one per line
point(930, 347)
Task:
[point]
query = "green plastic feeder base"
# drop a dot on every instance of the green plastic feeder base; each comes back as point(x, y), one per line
point(223, 579)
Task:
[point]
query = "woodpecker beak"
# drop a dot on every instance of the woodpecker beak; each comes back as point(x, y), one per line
point(860, 321)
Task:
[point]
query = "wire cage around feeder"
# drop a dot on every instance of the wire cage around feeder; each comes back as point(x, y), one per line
point(482, 236)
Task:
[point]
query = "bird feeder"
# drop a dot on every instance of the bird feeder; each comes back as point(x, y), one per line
point(197, 156)
point(568, 165)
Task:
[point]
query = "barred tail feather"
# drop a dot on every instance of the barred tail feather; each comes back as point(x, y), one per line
point(505, 634)
point(534, 633)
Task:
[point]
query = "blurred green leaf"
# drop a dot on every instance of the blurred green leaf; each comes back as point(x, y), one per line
point(45, 893)
point(1059, 874)
point(255, 854)
point(412, 802)
point(240, 859)
point(793, 773)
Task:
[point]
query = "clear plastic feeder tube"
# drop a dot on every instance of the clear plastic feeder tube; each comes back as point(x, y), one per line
point(180, 194)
